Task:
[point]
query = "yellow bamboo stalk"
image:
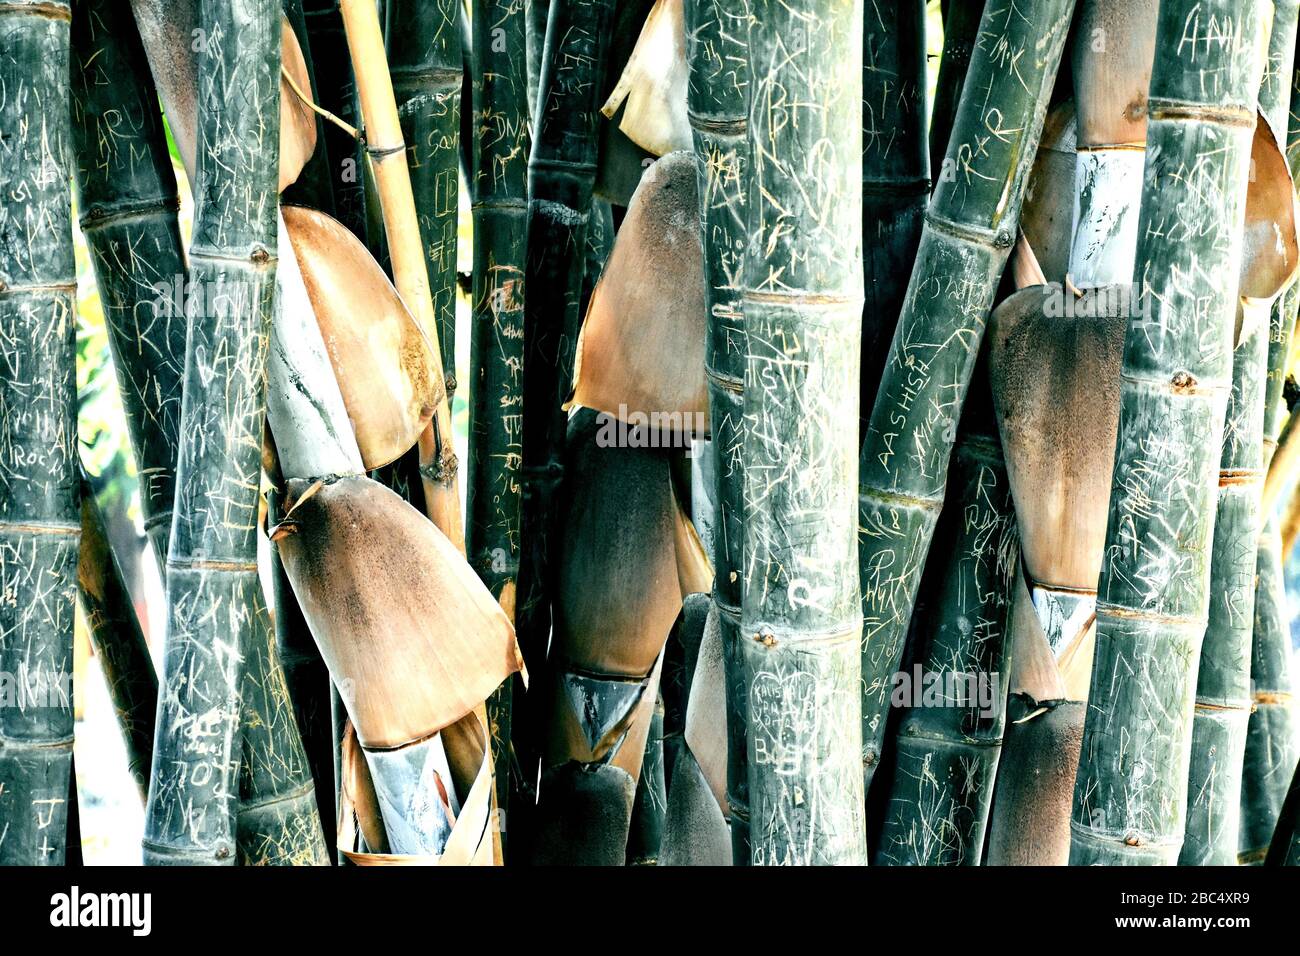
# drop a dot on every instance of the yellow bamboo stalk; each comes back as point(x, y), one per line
point(386, 151)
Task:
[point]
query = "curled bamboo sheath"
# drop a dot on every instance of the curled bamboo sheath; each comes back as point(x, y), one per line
point(39, 523)
point(128, 202)
point(1223, 693)
point(718, 98)
point(652, 87)
point(314, 185)
point(498, 182)
point(651, 292)
point(970, 228)
point(949, 741)
point(1114, 45)
point(119, 645)
point(800, 612)
point(895, 174)
point(961, 25)
point(1154, 588)
point(386, 150)
point(426, 65)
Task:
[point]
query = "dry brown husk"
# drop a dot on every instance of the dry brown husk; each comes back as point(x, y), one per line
point(410, 634)
point(641, 348)
point(383, 361)
point(297, 121)
point(652, 88)
point(1047, 217)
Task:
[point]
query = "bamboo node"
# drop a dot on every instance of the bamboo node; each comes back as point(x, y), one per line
point(1132, 839)
point(1183, 382)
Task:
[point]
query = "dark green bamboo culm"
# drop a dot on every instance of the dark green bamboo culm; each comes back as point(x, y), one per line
point(718, 105)
point(1270, 756)
point(561, 173)
point(800, 617)
point(212, 582)
point(336, 92)
point(1285, 848)
point(646, 828)
point(961, 23)
point(536, 13)
point(128, 203)
point(1223, 684)
point(1153, 595)
point(498, 184)
point(425, 59)
point(948, 743)
point(119, 645)
point(968, 234)
point(895, 173)
point(39, 520)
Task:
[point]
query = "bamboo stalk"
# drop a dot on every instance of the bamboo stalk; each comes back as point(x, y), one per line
point(969, 231)
point(718, 101)
point(128, 202)
point(386, 150)
point(1223, 691)
point(212, 583)
point(499, 186)
point(961, 23)
point(895, 173)
point(948, 745)
point(800, 615)
point(1153, 593)
point(39, 524)
point(119, 645)
point(646, 828)
point(1285, 847)
point(426, 65)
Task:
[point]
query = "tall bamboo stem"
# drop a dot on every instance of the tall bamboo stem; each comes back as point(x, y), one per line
point(969, 231)
point(800, 615)
point(39, 524)
point(212, 582)
point(499, 187)
point(1153, 594)
point(718, 103)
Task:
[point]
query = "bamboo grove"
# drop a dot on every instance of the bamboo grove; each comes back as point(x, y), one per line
point(655, 432)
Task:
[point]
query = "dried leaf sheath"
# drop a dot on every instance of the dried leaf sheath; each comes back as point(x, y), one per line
point(969, 230)
point(718, 103)
point(212, 582)
point(499, 187)
point(127, 197)
point(39, 523)
point(800, 617)
point(424, 56)
point(1153, 593)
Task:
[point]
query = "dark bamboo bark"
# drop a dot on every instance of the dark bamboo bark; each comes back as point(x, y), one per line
point(561, 173)
point(425, 60)
point(1223, 684)
point(1153, 594)
point(128, 202)
point(39, 523)
point(498, 183)
point(213, 589)
point(646, 829)
point(119, 645)
point(718, 102)
point(961, 23)
point(948, 746)
point(536, 13)
point(969, 231)
point(336, 92)
point(895, 174)
point(1285, 848)
point(680, 654)
point(800, 615)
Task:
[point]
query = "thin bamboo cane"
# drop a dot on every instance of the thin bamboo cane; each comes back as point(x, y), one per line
point(119, 645)
point(386, 150)
point(212, 582)
point(961, 23)
point(949, 742)
point(127, 196)
point(1153, 594)
point(895, 174)
point(718, 100)
point(39, 524)
point(498, 183)
point(969, 231)
point(426, 65)
point(800, 618)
